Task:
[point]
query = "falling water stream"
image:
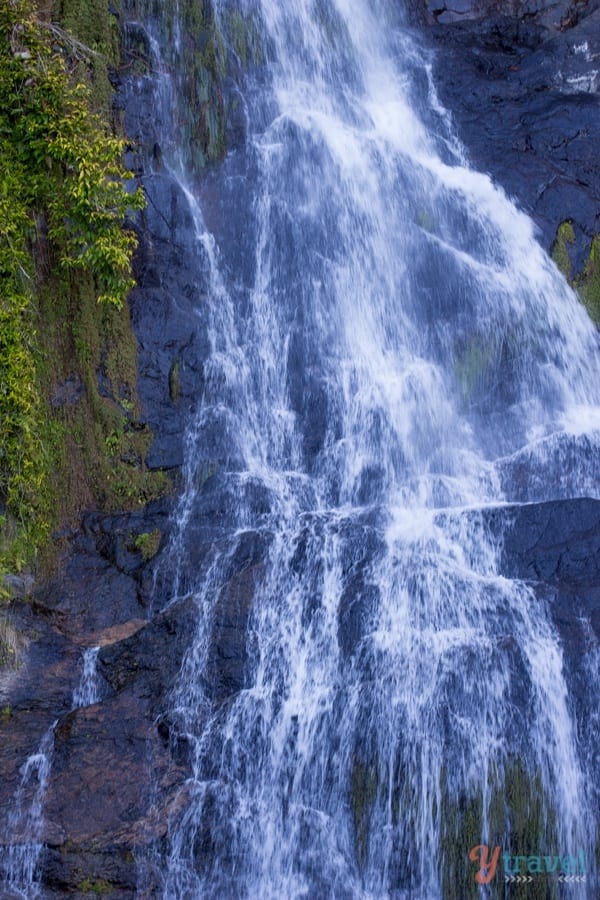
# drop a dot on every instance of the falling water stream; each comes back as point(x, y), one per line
point(391, 348)
point(19, 861)
point(19, 875)
point(88, 690)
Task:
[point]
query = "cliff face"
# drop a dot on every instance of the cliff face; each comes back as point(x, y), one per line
point(521, 81)
point(523, 95)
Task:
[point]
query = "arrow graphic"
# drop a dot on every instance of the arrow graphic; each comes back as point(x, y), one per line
point(518, 879)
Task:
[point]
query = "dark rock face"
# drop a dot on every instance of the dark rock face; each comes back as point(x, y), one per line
point(555, 546)
point(167, 309)
point(521, 82)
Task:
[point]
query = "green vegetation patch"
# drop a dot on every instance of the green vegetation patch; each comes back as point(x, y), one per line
point(587, 282)
point(97, 28)
point(97, 886)
point(64, 251)
point(148, 543)
point(519, 818)
point(560, 251)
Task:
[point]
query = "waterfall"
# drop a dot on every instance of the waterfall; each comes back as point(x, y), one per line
point(88, 691)
point(391, 350)
point(19, 861)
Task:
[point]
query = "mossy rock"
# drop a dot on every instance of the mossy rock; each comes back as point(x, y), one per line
point(565, 237)
point(587, 282)
point(95, 24)
point(520, 819)
point(195, 48)
point(96, 887)
point(363, 794)
point(148, 543)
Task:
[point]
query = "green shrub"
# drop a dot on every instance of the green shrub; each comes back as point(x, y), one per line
point(64, 199)
point(587, 282)
point(148, 543)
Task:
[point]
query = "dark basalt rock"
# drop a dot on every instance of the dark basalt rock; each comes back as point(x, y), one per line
point(227, 664)
point(168, 316)
point(521, 81)
point(555, 546)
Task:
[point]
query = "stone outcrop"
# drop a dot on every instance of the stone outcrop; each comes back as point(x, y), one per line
point(522, 82)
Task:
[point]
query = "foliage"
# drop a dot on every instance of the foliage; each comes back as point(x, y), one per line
point(67, 167)
point(560, 252)
point(99, 886)
point(587, 283)
point(148, 543)
point(63, 203)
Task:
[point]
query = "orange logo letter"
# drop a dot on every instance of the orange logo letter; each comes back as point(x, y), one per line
point(480, 854)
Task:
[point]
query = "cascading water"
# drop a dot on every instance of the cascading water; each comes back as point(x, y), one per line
point(19, 861)
point(391, 349)
point(19, 875)
point(88, 691)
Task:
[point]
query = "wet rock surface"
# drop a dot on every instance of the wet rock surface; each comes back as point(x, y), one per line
point(522, 83)
point(555, 547)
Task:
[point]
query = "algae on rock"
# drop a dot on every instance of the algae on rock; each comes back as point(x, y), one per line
point(586, 282)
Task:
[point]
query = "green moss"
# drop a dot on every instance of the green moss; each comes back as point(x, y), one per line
point(10, 649)
point(199, 59)
point(206, 472)
point(99, 886)
point(472, 366)
point(560, 251)
point(238, 35)
point(148, 543)
point(98, 29)
point(425, 220)
point(100, 462)
point(520, 819)
point(588, 283)
point(175, 382)
point(244, 38)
